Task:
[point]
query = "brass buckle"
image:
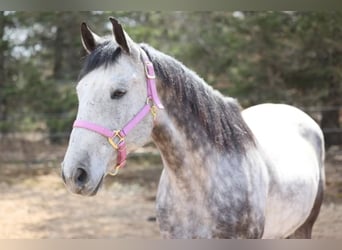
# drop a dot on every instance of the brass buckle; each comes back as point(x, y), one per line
point(148, 75)
point(153, 109)
point(154, 112)
point(117, 136)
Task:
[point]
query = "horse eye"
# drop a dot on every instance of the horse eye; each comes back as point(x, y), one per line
point(117, 94)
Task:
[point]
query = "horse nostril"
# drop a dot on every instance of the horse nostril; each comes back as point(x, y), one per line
point(81, 176)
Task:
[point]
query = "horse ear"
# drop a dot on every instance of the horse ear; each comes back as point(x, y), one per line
point(119, 35)
point(89, 39)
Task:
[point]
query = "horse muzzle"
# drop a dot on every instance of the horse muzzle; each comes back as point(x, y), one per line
point(80, 182)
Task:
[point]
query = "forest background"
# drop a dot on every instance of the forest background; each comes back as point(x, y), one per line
point(287, 57)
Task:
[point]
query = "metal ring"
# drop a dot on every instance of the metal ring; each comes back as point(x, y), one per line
point(116, 171)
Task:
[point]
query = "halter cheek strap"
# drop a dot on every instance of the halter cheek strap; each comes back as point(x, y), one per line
point(117, 137)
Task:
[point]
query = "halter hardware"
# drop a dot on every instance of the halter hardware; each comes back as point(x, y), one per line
point(116, 138)
point(153, 107)
point(115, 171)
point(148, 67)
point(154, 112)
point(120, 139)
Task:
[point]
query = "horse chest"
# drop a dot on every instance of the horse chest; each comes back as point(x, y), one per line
point(214, 212)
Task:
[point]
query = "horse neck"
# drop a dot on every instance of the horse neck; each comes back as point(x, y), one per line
point(198, 122)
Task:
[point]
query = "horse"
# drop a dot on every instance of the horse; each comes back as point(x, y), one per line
point(227, 172)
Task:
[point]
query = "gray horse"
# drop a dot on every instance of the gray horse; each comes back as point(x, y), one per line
point(257, 173)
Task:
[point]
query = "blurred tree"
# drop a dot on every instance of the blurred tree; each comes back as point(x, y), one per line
point(3, 75)
point(8, 74)
point(45, 69)
point(3, 48)
point(292, 57)
point(317, 76)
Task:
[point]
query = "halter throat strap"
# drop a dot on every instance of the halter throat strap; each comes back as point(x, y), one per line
point(117, 137)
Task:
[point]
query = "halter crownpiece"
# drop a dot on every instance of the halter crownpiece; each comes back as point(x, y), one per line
point(116, 138)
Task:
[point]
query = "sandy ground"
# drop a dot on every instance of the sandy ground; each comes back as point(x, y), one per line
point(34, 204)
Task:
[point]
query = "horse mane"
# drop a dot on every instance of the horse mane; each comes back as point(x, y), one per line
point(199, 108)
point(105, 53)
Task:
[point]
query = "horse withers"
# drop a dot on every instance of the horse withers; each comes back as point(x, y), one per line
point(257, 173)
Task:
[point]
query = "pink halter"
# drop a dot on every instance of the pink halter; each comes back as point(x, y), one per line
point(117, 137)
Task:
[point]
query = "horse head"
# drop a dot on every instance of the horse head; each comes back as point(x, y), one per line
point(116, 92)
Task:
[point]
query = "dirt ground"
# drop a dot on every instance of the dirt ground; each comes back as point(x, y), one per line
point(34, 203)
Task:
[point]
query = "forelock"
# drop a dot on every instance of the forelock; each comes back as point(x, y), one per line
point(105, 54)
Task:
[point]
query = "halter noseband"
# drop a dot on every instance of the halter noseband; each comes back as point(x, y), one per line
point(117, 137)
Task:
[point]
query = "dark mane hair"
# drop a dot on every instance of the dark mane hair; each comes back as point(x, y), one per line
point(105, 53)
point(196, 106)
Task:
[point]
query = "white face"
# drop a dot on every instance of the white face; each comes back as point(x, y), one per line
point(108, 96)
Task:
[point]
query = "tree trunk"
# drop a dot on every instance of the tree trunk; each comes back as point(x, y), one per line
point(2, 48)
point(331, 127)
point(58, 54)
point(330, 122)
point(3, 45)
